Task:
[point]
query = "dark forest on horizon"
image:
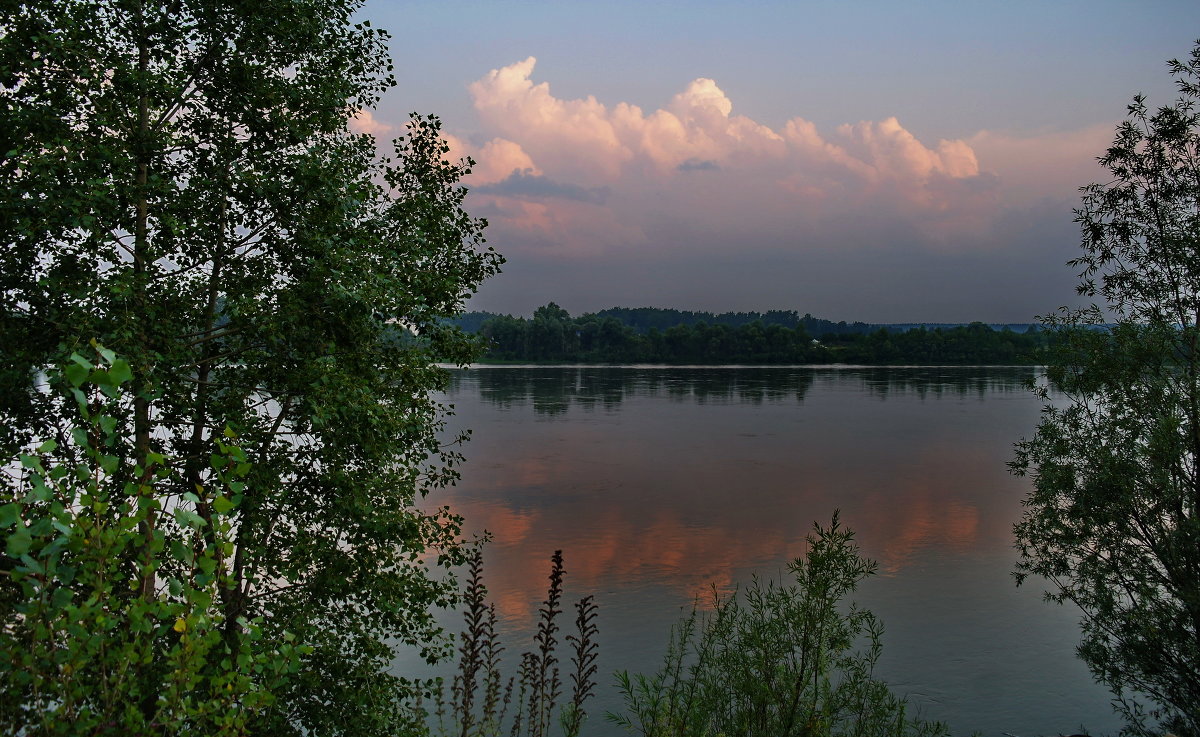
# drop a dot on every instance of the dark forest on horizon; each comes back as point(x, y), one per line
point(657, 335)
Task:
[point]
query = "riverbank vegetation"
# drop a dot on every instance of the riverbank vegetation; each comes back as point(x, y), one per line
point(783, 659)
point(531, 702)
point(636, 336)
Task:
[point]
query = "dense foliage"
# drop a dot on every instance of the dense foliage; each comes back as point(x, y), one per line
point(181, 186)
point(774, 338)
point(89, 659)
point(1113, 520)
point(777, 660)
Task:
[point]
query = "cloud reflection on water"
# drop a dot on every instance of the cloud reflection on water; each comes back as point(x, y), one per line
point(682, 479)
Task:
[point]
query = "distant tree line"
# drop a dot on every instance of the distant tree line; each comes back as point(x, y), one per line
point(644, 319)
point(647, 335)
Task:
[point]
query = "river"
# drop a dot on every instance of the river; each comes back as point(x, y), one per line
point(661, 483)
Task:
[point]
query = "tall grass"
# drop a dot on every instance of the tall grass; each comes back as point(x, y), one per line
point(483, 703)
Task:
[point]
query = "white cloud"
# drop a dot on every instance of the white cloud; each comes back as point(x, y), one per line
point(891, 152)
point(684, 202)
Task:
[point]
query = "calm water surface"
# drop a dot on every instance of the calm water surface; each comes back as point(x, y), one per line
point(659, 483)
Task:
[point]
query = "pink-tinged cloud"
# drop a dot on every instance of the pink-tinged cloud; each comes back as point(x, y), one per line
point(363, 121)
point(1031, 168)
point(891, 152)
point(589, 139)
point(696, 166)
point(498, 159)
point(544, 125)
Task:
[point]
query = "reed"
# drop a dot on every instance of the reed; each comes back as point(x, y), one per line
point(483, 703)
point(586, 651)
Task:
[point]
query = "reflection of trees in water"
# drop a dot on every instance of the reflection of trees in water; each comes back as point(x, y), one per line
point(936, 382)
point(552, 391)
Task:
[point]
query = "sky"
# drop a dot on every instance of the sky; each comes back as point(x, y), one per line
point(876, 161)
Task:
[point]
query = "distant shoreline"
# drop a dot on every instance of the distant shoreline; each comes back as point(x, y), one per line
point(657, 366)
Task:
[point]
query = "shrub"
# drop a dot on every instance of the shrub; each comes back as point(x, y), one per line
point(776, 660)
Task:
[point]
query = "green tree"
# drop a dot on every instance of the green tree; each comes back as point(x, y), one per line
point(181, 184)
point(548, 333)
point(1112, 519)
point(506, 336)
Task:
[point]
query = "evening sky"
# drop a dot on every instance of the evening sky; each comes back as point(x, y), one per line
point(876, 161)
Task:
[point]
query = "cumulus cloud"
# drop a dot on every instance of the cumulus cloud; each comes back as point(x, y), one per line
point(497, 160)
point(784, 183)
point(697, 125)
point(575, 131)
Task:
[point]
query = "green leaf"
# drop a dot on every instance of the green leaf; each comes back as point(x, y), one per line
point(61, 598)
point(82, 402)
point(47, 447)
point(9, 514)
point(100, 378)
point(33, 463)
point(80, 361)
point(76, 374)
point(178, 550)
point(188, 518)
point(120, 372)
point(18, 543)
point(107, 424)
point(222, 504)
point(109, 463)
point(39, 491)
point(33, 565)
